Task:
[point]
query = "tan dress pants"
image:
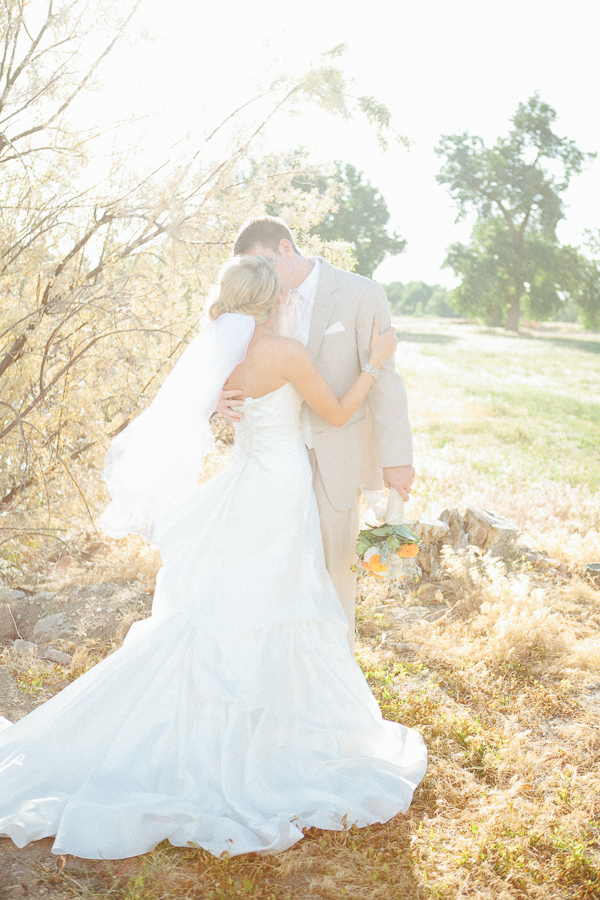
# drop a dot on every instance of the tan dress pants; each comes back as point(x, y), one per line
point(340, 532)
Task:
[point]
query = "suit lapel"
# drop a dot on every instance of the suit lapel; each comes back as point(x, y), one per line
point(324, 302)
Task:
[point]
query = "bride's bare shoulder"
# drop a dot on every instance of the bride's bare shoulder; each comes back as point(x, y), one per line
point(275, 344)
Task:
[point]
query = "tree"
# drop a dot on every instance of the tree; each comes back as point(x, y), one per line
point(418, 299)
point(104, 278)
point(361, 219)
point(514, 261)
point(586, 281)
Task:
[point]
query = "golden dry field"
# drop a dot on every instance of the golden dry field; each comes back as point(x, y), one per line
point(496, 662)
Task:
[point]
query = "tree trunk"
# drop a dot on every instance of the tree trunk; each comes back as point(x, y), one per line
point(514, 311)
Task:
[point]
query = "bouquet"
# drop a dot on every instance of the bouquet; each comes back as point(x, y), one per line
point(389, 550)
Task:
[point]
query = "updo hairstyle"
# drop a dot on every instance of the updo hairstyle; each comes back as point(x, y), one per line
point(249, 285)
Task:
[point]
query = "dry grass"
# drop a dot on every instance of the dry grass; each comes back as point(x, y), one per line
point(509, 807)
point(504, 687)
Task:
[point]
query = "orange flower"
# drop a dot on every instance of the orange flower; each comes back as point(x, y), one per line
point(407, 551)
point(374, 566)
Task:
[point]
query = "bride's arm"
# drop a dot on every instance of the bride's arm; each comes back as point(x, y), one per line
point(299, 368)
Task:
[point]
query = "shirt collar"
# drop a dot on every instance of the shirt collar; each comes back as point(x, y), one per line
point(309, 286)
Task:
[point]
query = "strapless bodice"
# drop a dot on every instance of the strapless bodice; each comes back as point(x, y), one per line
point(270, 423)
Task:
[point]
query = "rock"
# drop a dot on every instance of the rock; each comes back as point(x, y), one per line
point(56, 656)
point(104, 589)
point(17, 620)
point(24, 648)
point(52, 627)
point(105, 627)
point(8, 630)
point(7, 595)
point(490, 531)
point(593, 569)
point(44, 596)
point(529, 555)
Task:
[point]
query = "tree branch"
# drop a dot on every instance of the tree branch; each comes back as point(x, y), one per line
point(11, 79)
point(16, 351)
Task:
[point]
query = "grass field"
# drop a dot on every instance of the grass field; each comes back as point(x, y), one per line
point(511, 422)
point(505, 687)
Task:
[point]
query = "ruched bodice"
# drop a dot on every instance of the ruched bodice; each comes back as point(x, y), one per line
point(271, 423)
point(270, 436)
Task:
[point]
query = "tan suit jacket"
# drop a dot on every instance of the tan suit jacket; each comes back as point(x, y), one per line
point(378, 434)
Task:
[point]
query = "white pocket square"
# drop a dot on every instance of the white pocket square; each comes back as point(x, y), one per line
point(334, 329)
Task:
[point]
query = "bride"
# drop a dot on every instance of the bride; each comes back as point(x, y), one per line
point(235, 716)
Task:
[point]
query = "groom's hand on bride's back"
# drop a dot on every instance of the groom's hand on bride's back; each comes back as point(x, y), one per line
point(229, 406)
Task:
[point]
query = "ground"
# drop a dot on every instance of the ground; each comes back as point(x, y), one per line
point(496, 662)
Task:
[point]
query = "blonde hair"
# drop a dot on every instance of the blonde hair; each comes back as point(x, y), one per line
point(249, 285)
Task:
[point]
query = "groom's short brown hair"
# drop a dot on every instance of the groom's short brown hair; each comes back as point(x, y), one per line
point(266, 231)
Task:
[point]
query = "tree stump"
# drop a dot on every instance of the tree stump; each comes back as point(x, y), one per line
point(491, 532)
point(593, 570)
point(457, 536)
point(432, 532)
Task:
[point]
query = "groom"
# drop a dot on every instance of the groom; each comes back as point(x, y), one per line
point(331, 312)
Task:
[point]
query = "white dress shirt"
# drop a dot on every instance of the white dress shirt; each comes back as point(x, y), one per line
point(294, 321)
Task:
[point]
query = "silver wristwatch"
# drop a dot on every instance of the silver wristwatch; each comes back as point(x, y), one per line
point(371, 370)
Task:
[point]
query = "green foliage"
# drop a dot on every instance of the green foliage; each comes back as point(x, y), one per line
point(361, 218)
point(586, 291)
point(392, 535)
point(331, 89)
point(415, 298)
point(514, 262)
point(538, 277)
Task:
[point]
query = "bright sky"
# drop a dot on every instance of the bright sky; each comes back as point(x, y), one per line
point(442, 66)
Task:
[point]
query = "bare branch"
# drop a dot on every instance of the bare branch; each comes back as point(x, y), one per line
point(6, 40)
point(12, 78)
point(16, 351)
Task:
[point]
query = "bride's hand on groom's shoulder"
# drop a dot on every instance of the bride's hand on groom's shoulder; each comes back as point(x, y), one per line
point(382, 345)
point(229, 406)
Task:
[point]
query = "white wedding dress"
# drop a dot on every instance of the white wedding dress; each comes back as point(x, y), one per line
point(235, 716)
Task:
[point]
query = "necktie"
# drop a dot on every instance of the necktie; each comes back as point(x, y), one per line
point(289, 316)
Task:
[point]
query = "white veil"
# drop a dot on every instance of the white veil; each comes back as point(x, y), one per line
point(152, 466)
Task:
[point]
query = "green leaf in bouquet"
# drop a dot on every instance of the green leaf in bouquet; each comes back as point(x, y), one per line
point(362, 546)
point(393, 542)
point(406, 535)
point(383, 531)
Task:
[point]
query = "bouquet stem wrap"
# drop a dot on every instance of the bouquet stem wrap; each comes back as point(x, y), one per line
point(395, 508)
